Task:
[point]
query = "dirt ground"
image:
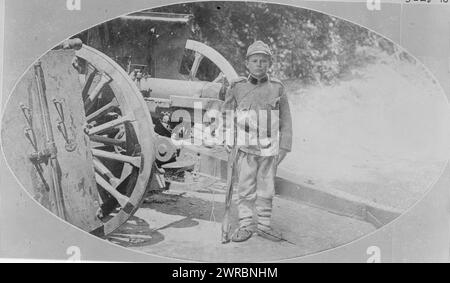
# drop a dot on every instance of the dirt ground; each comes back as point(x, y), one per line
point(185, 223)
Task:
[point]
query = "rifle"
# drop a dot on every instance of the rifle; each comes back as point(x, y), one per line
point(226, 226)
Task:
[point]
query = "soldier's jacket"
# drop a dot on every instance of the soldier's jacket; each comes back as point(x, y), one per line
point(247, 94)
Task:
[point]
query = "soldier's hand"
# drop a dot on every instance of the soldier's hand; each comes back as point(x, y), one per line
point(281, 155)
point(228, 148)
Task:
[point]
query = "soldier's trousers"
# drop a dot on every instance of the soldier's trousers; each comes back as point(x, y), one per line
point(256, 188)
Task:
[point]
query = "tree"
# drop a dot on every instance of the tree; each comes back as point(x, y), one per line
point(307, 45)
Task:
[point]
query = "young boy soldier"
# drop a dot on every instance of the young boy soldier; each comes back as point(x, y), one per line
point(256, 163)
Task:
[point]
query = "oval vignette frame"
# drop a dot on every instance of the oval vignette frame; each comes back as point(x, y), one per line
point(398, 219)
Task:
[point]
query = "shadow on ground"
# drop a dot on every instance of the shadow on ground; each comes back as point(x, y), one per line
point(136, 232)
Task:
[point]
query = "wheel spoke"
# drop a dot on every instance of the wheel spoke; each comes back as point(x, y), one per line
point(107, 141)
point(123, 200)
point(115, 182)
point(102, 110)
point(198, 59)
point(104, 79)
point(133, 160)
point(88, 103)
point(126, 171)
point(87, 84)
point(102, 169)
point(109, 125)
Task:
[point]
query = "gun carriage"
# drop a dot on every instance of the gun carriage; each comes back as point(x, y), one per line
point(97, 131)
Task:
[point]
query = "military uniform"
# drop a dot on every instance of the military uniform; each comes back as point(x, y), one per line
point(257, 162)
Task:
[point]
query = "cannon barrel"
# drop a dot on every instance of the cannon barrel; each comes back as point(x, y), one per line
point(165, 88)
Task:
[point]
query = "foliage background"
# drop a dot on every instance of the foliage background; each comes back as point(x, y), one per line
point(308, 46)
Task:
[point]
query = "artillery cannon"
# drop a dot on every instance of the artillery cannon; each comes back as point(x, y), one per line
point(79, 130)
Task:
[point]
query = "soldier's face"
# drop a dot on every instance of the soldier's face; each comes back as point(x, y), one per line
point(258, 65)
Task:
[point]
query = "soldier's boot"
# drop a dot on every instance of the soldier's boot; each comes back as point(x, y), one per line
point(242, 234)
point(264, 227)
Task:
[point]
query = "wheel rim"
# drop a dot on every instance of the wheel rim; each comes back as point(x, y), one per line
point(121, 133)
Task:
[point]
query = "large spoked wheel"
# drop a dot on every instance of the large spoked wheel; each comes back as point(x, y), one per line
point(202, 51)
point(120, 129)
